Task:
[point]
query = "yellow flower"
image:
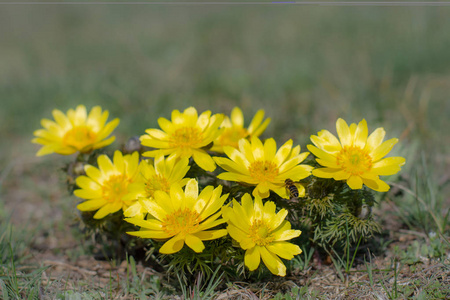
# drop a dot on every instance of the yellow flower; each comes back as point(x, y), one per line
point(355, 157)
point(105, 187)
point(75, 131)
point(264, 166)
point(183, 217)
point(157, 176)
point(185, 136)
point(262, 233)
point(234, 129)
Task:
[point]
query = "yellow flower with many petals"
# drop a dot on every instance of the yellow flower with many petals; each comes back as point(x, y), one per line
point(234, 129)
point(159, 175)
point(76, 131)
point(355, 157)
point(105, 187)
point(185, 136)
point(262, 233)
point(262, 165)
point(183, 217)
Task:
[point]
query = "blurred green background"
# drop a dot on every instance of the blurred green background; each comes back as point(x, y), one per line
point(305, 65)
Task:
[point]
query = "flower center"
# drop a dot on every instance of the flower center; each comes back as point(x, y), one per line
point(115, 188)
point(231, 136)
point(156, 183)
point(186, 137)
point(260, 233)
point(263, 170)
point(181, 221)
point(79, 137)
point(354, 160)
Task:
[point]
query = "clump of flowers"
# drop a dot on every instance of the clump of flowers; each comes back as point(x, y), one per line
point(185, 136)
point(159, 175)
point(263, 165)
point(262, 233)
point(183, 217)
point(356, 157)
point(75, 132)
point(253, 207)
point(234, 129)
point(105, 187)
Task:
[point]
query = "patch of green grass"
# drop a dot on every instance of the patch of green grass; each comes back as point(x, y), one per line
point(15, 283)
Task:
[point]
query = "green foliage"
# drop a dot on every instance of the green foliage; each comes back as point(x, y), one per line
point(200, 291)
point(187, 265)
point(140, 287)
point(417, 251)
point(15, 284)
point(302, 260)
point(424, 205)
point(335, 215)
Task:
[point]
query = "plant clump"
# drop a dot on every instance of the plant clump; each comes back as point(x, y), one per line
point(203, 191)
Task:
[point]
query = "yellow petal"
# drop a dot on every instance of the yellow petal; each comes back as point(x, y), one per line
point(361, 134)
point(325, 172)
point(237, 227)
point(166, 125)
point(379, 152)
point(150, 224)
point(327, 141)
point(252, 258)
point(261, 191)
point(276, 219)
point(257, 119)
point(272, 262)
point(388, 166)
point(150, 234)
point(191, 190)
point(204, 160)
point(61, 119)
point(284, 235)
point(107, 209)
point(173, 245)
point(284, 249)
point(134, 210)
point(105, 165)
point(377, 185)
point(103, 143)
point(343, 132)
point(87, 194)
point(355, 182)
point(298, 172)
point(322, 154)
point(154, 134)
point(90, 185)
point(118, 161)
point(270, 149)
point(90, 205)
point(237, 118)
point(260, 129)
point(283, 153)
point(341, 175)
point(156, 210)
point(203, 120)
point(258, 148)
point(211, 234)
point(194, 243)
point(375, 139)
